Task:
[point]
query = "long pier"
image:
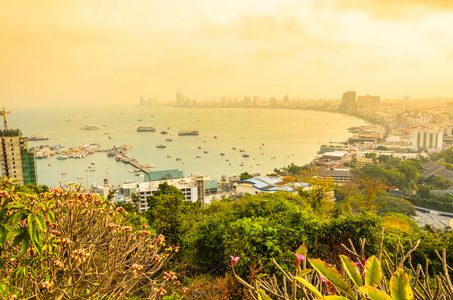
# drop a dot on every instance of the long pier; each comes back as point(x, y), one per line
point(121, 152)
point(136, 164)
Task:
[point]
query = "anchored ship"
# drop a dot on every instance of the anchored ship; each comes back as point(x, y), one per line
point(188, 132)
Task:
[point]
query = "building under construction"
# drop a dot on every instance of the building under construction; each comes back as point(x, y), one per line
point(16, 161)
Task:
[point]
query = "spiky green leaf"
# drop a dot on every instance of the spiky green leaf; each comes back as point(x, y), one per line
point(3, 212)
point(19, 215)
point(13, 233)
point(51, 216)
point(352, 270)
point(400, 288)
point(302, 250)
point(333, 276)
point(309, 286)
point(374, 294)
point(18, 239)
point(2, 236)
point(41, 223)
point(262, 295)
point(373, 271)
point(303, 272)
point(25, 243)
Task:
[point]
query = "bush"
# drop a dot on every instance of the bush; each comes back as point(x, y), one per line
point(66, 243)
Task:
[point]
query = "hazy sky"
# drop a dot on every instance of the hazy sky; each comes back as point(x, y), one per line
point(114, 51)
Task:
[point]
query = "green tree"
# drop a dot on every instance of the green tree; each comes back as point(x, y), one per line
point(170, 214)
point(245, 176)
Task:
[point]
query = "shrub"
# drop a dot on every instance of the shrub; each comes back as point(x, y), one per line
point(65, 244)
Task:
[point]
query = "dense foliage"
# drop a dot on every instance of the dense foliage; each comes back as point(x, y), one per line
point(69, 244)
point(389, 204)
point(271, 225)
point(439, 202)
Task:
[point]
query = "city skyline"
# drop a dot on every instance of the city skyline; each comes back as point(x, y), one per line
point(103, 52)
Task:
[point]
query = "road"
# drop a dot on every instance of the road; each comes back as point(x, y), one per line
point(432, 219)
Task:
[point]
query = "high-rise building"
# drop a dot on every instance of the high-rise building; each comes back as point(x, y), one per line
point(348, 102)
point(16, 161)
point(180, 99)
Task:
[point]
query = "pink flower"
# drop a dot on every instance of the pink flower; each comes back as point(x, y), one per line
point(300, 257)
point(322, 278)
point(357, 263)
point(234, 259)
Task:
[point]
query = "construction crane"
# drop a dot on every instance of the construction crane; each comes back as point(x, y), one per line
point(3, 113)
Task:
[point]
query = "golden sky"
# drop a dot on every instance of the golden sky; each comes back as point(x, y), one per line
point(114, 51)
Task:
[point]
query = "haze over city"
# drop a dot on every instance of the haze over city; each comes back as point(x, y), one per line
point(113, 52)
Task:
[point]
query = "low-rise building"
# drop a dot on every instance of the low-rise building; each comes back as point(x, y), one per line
point(430, 140)
point(339, 176)
point(261, 184)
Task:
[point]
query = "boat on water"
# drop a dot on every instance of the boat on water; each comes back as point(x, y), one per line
point(63, 173)
point(178, 158)
point(110, 137)
point(241, 150)
point(205, 141)
point(222, 154)
point(205, 151)
point(169, 139)
point(199, 147)
point(234, 148)
point(41, 137)
point(198, 156)
point(168, 156)
point(160, 146)
point(188, 132)
point(90, 127)
point(146, 128)
point(245, 155)
point(163, 132)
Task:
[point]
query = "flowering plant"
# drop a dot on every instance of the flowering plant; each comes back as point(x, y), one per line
point(67, 243)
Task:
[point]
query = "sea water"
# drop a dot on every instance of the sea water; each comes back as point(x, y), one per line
point(273, 138)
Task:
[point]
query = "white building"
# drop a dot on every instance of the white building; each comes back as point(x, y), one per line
point(431, 140)
point(186, 185)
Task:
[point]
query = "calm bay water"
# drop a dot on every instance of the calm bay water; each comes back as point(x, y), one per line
point(271, 138)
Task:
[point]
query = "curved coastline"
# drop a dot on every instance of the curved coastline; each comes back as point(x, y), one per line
point(272, 138)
